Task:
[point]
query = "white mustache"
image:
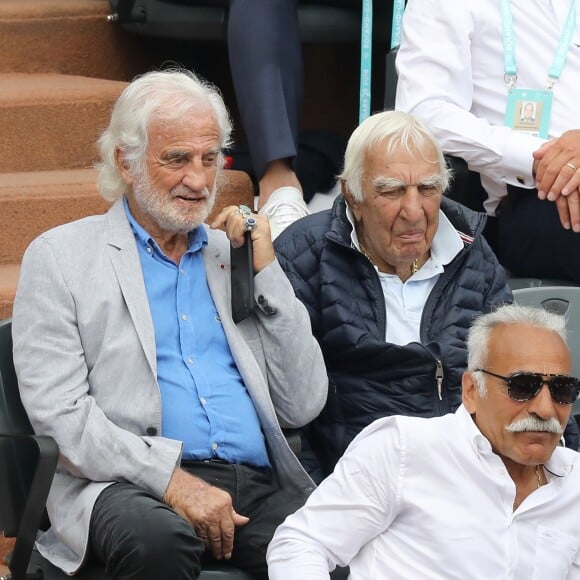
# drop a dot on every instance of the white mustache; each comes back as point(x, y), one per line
point(534, 424)
point(184, 191)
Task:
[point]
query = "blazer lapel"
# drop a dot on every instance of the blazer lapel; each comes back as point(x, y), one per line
point(127, 266)
point(217, 266)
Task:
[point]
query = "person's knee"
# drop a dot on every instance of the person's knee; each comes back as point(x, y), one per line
point(161, 551)
point(138, 537)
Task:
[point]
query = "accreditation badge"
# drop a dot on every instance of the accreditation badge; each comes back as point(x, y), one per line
point(529, 111)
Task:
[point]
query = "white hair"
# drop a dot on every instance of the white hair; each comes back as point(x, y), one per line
point(480, 332)
point(161, 95)
point(393, 130)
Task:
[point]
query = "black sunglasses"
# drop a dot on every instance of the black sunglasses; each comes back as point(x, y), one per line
point(525, 386)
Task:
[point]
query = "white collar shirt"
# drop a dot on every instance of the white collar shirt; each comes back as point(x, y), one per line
point(428, 498)
point(451, 74)
point(405, 301)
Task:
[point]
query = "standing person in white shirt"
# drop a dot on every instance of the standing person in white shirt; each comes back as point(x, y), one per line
point(467, 68)
point(483, 493)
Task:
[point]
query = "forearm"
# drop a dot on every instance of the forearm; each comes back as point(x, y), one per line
point(349, 509)
point(296, 370)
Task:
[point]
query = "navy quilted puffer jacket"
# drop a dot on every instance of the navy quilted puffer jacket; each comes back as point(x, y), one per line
point(370, 378)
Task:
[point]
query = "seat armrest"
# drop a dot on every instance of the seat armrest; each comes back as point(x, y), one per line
point(29, 463)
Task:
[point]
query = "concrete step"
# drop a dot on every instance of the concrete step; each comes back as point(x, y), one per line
point(33, 202)
point(51, 121)
point(70, 37)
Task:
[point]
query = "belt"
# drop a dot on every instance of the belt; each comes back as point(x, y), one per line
point(198, 461)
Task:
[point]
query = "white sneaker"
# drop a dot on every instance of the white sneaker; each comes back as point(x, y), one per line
point(284, 207)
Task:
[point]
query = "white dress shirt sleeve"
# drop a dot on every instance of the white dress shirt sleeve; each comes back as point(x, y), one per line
point(351, 507)
point(436, 65)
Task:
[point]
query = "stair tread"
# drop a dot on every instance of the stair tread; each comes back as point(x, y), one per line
point(25, 9)
point(9, 276)
point(29, 89)
point(42, 183)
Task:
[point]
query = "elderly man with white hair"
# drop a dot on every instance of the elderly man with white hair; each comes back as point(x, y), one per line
point(392, 277)
point(168, 414)
point(486, 492)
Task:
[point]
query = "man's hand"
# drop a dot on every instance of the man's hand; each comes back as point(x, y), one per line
point(569, 210)
point(232, 222)
point(208, 509)
point(557, 166)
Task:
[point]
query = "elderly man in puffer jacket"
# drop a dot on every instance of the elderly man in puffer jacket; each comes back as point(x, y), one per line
point(392, 277)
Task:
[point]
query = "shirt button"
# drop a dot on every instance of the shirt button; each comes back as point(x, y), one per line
point(148, 250)
point(184, 317)
point(181, 271)
point(190, 361)
point(502, 472)
point(203, 401)
point(214, 446)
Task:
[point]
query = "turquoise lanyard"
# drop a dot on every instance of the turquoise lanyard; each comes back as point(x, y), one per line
point(509, 46)
point(398, 9)
point(366, 52)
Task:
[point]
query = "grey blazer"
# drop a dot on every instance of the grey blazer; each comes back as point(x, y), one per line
point(84, 350)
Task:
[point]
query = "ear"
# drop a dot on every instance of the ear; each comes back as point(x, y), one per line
point(350, 201)
point(123, 166)
point(469, 393)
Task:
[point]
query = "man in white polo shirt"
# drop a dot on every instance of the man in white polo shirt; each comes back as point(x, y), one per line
point(392, 277)
point(483, 493)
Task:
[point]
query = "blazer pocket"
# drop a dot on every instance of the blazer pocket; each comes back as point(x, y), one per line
point(555, 553)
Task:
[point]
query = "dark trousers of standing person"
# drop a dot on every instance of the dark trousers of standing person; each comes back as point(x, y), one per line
point(530, 240)
point(140, 538)
point(265, 56)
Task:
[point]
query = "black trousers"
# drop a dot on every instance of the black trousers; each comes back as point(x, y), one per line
point(138, 537)
point(531, 241)
point(265, 56)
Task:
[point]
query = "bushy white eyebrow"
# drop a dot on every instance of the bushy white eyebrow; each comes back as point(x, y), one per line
point(386, 183)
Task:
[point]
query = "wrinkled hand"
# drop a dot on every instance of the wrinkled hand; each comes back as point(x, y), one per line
point(208, 509)
point(554, 164)
point(232, 222)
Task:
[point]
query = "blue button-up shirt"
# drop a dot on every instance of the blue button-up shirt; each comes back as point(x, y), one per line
point(204, 402)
